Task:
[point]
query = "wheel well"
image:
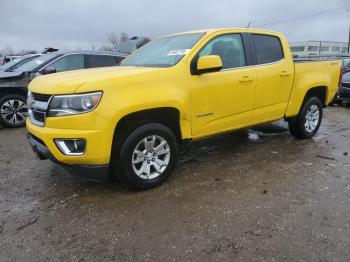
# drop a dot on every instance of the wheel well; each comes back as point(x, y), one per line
point(167, 116)
point(319, 92)
point(12, 90)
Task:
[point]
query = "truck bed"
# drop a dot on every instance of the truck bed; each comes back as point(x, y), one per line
point(317, 73)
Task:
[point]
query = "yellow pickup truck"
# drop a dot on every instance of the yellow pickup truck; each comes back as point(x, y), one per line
point(127, 120)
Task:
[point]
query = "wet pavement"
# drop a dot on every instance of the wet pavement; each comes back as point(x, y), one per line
point(256, 195)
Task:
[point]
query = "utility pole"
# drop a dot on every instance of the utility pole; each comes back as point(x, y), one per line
point(348, 10)
point(349, 41)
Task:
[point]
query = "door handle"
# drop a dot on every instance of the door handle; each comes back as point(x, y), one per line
point(284, 73)
point(246, 79)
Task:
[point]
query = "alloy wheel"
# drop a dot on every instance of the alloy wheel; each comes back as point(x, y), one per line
point(151, 157)
point(14, 111)
point(312, 118)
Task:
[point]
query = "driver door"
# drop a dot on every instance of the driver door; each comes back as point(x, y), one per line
point(223, 100)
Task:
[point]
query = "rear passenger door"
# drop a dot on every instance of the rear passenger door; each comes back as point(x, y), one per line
point(101, 61)
point(274, 77)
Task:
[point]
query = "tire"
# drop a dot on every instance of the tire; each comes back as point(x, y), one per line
point(13, 110)
point(307, 123)
point(153, 164)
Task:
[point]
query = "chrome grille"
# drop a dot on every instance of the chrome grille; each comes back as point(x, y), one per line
point(41, 97)
point(39, 116)
point(38, 105)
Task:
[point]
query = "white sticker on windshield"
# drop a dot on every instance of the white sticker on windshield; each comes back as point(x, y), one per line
point(39, 62)
point(178, 52)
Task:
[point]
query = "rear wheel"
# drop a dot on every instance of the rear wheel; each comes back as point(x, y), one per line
point(146, 157)
point(307, 123)
point(13, 110)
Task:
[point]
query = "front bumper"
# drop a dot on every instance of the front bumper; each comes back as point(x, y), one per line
point(98, 173)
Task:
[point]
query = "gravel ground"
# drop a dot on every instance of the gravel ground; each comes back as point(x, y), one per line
point(255, 195)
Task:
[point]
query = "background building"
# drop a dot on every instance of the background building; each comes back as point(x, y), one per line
point(318, 48)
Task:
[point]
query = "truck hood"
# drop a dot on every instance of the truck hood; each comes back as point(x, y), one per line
point(14, 79)
point(72, 81)
point(8, 75)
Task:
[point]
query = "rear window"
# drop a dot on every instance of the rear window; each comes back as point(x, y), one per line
point(102, 60)
point(268, 48)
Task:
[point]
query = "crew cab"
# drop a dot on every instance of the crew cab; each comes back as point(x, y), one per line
point(127, 121)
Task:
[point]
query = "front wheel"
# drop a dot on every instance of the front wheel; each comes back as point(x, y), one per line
point(307, 123)
point(146, 158)
point(13, 110)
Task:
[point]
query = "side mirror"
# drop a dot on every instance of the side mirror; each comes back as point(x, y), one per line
point(48, 70)
point(208, 64)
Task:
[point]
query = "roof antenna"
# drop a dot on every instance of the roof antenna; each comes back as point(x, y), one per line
point(249, 24)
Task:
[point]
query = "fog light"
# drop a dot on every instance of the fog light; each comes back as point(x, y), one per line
point(71, 147)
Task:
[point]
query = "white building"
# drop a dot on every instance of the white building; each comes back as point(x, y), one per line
point(318, 48)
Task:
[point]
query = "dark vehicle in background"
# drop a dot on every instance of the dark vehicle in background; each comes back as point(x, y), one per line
point(344, 89)
point(346, 65)
point(13, 84)
point(17, 62)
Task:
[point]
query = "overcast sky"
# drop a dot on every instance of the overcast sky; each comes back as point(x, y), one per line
point(82, 23)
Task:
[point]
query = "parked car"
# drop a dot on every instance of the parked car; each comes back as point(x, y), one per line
point(128, 120)
point(10, 66)
point(13, 85)
point(4, 60)
point(344, 89)
point(346, 65)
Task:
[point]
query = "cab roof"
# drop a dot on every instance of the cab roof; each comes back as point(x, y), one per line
point(214, 30)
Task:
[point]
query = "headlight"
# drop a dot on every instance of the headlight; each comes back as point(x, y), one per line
point(64, 105)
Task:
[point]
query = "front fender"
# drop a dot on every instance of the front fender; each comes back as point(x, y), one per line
point(184, 119)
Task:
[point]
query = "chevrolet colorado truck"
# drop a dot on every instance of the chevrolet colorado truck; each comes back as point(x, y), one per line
point(127, 121)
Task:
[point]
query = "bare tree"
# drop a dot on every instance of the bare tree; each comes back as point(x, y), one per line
point(7, 51)
point(26, 52)
point(107, 48)
point(124, 37)
point(113, 39)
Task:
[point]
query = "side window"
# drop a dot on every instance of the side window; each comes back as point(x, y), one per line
point(68, 62)
point(102, 60)
point(229, 48)
point(268, 48)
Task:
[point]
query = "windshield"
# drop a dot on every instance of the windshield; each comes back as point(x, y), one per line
point(163, 52)
point(32, 64)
